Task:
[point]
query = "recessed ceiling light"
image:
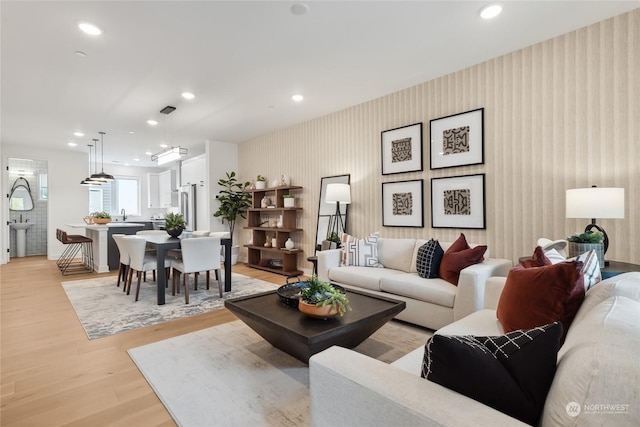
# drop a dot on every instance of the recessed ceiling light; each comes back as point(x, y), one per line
point(490, 11)
point(71, 144)
point(80, 53)
point(152, 122)
point(131, 132)
point(148, 153)
point(136, 160)
point(78, 133)
point(90, 29)
point(163, 145)
point(297, 97)
point(299, 8)
point(188, 95)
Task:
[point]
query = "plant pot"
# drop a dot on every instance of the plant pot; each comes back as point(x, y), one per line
point(235, 250)
point(175, 232)
point(577, 249)
point(261, 185)
point(318, 312)
point(289, 202)
point(101, 220)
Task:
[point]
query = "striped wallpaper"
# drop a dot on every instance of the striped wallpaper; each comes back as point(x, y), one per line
point(564, 113)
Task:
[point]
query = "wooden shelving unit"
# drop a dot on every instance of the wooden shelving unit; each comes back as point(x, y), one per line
point(261, 257)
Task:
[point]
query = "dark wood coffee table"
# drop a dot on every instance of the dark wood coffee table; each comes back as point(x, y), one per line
point(301, 336)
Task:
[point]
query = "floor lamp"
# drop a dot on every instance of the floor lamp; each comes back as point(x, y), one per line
point(595, 202)
point(338, 193)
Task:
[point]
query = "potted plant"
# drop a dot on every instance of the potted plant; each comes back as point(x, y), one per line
point(234, 201)
point(580, 243)
point(174, 224)
point(261, 182)
point(101, 218)
point(289, 201)
point(320, 299)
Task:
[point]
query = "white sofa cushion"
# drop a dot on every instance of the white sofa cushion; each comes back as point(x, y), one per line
point(437, 291)
point(596, 382)
point(362, 277)
point(396, 253)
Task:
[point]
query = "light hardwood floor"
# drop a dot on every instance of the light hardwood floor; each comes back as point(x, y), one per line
point(52, 374)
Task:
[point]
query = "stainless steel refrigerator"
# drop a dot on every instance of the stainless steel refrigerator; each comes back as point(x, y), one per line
point(188, 204)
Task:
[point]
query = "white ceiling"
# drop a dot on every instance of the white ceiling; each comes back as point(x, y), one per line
point(243, 60)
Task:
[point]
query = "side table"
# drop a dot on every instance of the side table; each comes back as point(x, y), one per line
point(616, 267)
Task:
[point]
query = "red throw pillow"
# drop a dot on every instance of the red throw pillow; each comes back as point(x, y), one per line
point(459, 256)
point(537, 296)
point(539, 259)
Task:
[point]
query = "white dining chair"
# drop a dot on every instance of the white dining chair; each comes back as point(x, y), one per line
point(198, 254)
point(124, 260)
point(141, 261)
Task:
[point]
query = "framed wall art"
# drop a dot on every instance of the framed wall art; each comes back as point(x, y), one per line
point(458, 202)
point(403, 203)
point(457, 140)
point(402, 149)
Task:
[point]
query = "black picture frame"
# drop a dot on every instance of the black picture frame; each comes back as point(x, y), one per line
point(458, 202)
point(457, 140)
point(403, 203)
point(402, 149)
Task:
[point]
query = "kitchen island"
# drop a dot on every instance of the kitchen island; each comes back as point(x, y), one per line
point(105, 252)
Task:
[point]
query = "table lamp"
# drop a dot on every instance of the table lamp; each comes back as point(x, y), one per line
point(338, 193)
point(595, 202)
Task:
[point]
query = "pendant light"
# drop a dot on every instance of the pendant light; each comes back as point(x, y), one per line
point(88, 181)
point(104, 177)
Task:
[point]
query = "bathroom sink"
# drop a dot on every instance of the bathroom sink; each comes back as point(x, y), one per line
point(21, 225)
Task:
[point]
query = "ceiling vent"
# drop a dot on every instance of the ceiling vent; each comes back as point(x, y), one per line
point(168, 109)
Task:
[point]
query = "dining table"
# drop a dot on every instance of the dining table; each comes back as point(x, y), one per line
point(163, 243)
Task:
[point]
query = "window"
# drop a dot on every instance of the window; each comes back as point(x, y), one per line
point(43, 193)
point(112, 197)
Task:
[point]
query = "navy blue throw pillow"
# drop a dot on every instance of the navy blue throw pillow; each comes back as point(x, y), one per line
point(428, 259)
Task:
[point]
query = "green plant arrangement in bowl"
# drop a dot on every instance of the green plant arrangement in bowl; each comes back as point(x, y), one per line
point(321, 300)
point(580, 243)
point(587, 237)
point(101, 217)
point(174, 224)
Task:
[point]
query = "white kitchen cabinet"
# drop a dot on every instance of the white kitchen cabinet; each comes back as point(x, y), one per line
point(161, 189)
point(153, 190)
point(167, 193)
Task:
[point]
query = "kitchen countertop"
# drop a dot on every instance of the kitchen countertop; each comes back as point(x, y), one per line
point(111, 224)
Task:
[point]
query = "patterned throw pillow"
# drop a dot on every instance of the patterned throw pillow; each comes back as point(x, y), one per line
point(360, 252)
point(590, 269)
point(428, 259)
point(511, 373)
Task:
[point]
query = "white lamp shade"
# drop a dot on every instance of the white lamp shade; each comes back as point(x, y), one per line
point(595, 202)
point(338, 193)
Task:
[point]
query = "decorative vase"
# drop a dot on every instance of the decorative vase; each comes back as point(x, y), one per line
point(319, 312)
point(577, 249)
point(289, 244)
point(264, 203)
point(274, 242)
point(260, 185)
point(175, 232)
point(280, 222)
point(289, 202)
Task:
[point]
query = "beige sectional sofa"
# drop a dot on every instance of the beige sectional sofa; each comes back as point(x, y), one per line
point(431, 303)
point(597, 381)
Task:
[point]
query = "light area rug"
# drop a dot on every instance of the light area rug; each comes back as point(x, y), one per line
point(103, 309)
point(228, 375)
